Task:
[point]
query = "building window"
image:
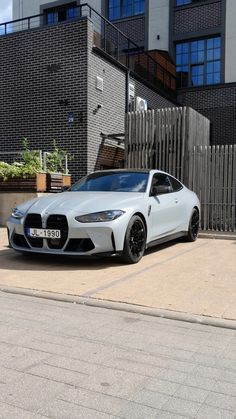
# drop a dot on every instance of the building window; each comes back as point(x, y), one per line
point(118, 9)
point(198, 62)
point(182, 2)
point(61, 13)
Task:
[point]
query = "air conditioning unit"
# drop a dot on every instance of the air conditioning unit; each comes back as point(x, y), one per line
point(141, 104)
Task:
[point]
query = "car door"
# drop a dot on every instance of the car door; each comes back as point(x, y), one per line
point(164, 208)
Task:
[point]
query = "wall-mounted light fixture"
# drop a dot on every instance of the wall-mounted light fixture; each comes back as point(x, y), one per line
point(99, 106)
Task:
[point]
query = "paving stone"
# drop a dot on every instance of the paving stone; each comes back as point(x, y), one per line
point(168, 415)
point(61, 375)
point(182, 407)
point(10, 412)
point(225, 388)
point(207, 372)
point(192, 393)
point(200, 382)
point(60, 409)
point(161, 386)
point(150, 398)
point(30, 392)
point(174, 376)
point(114, 382)
point(222, 401)
point(207, 412)
point(144, 369)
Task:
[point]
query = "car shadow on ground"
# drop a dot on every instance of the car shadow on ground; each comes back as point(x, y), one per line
point(14, 261)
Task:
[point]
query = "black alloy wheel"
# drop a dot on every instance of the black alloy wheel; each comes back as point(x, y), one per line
point(193, 226)
point(135, 240)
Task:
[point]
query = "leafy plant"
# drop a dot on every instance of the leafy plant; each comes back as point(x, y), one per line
point(55, 160)
point(30, 158)
point(30, 164)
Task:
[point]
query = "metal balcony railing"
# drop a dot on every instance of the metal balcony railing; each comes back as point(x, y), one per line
point(108, 38)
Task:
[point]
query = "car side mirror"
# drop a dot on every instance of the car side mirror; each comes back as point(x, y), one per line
point(160, 190)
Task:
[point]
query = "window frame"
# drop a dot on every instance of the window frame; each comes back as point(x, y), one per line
point(188, 44)
point(56, 10)
point(183, 4)
point(120, 5)
point(177, 181)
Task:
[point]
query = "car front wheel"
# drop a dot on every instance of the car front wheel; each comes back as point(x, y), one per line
point(193, 229)
point(135, 240)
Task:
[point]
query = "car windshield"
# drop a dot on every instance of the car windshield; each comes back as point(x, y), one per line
point(113, 182)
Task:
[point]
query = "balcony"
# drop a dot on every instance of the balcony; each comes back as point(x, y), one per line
point(150, 67)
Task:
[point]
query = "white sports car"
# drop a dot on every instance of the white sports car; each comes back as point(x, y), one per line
point(115, 212)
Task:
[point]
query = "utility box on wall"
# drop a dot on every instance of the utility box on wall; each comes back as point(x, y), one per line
point(162, 138)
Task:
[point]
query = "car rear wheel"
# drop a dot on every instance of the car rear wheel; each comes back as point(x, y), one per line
point(193, 229)
point(135, 240)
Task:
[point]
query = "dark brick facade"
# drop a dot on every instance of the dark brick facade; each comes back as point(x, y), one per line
point(31, 90)
point(219, 105)
point(134, 28)
point(197, 17)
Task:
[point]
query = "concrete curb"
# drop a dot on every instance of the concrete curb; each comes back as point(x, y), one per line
point(130, 308)
point(217, 235)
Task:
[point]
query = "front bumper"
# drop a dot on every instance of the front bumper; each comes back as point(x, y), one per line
point(79, 239)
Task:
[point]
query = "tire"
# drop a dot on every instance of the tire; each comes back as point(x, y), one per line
point(135, 240)
point(193, 229)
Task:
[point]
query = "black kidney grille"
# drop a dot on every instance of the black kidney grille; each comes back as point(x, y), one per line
point(33, 221)
point(57, 222)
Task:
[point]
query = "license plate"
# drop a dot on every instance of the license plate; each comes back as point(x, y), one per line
point(43, 233)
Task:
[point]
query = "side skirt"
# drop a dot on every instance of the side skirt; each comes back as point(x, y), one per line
point(166, 239)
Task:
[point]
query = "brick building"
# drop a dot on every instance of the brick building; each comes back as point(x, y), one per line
point(69, 75)
point(56, 60)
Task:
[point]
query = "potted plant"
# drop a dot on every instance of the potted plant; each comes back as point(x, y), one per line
point(24, 175)
point(56, 167)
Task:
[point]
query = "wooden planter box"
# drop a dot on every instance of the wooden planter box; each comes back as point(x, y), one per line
point(56, 181)
point(36, 183)
point(66, 180)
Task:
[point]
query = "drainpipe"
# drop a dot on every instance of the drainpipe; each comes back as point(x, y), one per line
point(127, 79)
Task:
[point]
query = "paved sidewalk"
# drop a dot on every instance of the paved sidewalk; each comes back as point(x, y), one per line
point(67, 361)
point(198, 278)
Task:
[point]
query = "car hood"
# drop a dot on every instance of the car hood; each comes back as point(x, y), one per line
point(83, 202)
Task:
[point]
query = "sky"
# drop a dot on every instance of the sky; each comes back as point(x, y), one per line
point(5, 10)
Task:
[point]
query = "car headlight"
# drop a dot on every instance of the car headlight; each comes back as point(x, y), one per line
point(98, 217)
point(16, 213)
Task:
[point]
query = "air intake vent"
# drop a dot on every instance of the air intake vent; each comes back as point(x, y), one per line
point(99, 83)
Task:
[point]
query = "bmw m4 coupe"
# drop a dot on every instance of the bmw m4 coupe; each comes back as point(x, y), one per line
point(113, 212)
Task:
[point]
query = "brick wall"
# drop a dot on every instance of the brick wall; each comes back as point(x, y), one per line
point(31, 89)
point(133, 28)
point(219, 105)
point(196, 18)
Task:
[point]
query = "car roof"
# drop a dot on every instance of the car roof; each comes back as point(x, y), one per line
point(129, 170)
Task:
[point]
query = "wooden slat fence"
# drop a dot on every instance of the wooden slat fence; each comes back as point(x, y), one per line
point(212, 175)
point(161, 138)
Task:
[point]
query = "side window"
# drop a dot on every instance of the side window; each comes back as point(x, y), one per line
point(162, 182)
point(176, 185)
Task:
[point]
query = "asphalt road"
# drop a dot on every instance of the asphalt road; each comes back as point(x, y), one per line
point(61, 360)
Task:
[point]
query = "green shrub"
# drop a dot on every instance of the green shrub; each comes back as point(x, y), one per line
point(30, 164)
point(55, 160)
